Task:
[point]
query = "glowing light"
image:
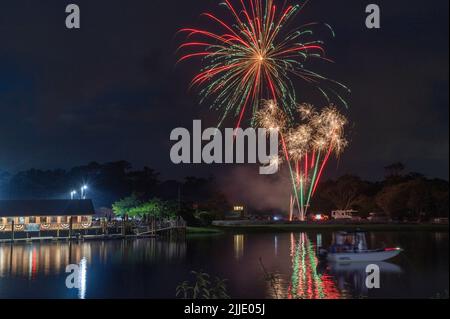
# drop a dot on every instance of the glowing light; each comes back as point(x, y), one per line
point(239, 246)
point(314, 140)
point(318, 136)
point(82, 278)
point(248, 61)
point(271, 117)
point(393, 249)
point(252, 54)
point(306, 281)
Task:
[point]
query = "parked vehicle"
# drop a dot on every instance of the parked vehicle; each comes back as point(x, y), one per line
point(440, 221)
point(343, 214)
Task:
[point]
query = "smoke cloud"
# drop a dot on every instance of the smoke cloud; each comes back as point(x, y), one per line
point(244, 185)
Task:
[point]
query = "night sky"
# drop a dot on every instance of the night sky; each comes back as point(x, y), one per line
point(111, 90)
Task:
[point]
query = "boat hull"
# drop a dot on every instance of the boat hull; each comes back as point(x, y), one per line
point(372, 256)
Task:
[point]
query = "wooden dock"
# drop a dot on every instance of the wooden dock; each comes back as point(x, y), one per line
point(127, 230)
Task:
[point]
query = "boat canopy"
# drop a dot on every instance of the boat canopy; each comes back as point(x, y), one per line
point(350, 240)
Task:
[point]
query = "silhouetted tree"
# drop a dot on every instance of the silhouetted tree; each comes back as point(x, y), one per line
point(345, 193)
point(418, 199)
point(401, 196)
point(394, 170)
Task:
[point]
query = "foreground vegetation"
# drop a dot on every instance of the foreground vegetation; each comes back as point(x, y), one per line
point(203, 287)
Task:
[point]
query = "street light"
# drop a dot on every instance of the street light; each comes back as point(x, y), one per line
point(72, 194)
point(84, 188)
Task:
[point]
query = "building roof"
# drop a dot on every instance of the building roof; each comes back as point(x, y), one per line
point(27, 208)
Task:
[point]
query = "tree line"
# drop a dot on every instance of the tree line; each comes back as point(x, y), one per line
point(400, 195)
point(117, 186)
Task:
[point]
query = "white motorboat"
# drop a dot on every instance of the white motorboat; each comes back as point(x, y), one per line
point(365, 256)
point(352, 247)
point(361, 267)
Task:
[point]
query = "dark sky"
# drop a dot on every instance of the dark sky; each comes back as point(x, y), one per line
point(111, 90)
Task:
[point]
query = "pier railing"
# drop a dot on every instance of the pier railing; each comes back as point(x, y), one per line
point(47, 227)
point(156, 226)
point(91, 229)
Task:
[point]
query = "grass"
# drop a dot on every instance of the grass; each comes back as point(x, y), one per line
point(314, 227)
point(364, 227)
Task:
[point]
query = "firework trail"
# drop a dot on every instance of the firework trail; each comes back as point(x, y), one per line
point(308, 147)
point(251, 55)
point(311, 146)
point(248, 61)
point(271, 117)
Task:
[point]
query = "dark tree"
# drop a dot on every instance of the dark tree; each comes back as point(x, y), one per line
point(394, 170)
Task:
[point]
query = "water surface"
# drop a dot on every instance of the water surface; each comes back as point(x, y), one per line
point(152, 268)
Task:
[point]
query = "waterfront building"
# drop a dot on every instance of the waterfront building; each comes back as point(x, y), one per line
point(35, 216)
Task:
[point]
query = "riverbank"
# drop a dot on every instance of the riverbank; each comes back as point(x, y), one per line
point(75, 239)
point(203, 230)
point(332, 227)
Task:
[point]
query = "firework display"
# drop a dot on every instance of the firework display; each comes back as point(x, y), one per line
point(252, 54)
point(249, 61)
point(307, 147)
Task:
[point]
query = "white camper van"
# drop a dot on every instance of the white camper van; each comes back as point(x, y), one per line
point(343, 214)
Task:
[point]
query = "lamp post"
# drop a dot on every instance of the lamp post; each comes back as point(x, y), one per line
point(84, 188)
point(72, 194)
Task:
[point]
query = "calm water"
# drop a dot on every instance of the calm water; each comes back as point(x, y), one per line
point(153, 268)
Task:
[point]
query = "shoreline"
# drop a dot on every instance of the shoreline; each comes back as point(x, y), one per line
point(332, 227)
point(261, 228)
point(73, 239)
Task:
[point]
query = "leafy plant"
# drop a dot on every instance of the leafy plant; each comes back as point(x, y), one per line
point(123, 207)
point(184, 290)
point(271, 278)
point(132, 207)
point(203, 287)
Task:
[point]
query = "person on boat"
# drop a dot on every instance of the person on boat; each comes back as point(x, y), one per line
point(361, 246)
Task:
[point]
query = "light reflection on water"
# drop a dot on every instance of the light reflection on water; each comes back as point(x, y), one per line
point(315, 279)
point(420, 272)
point(153, 268)
point(48, 259)
point(82, 278)
point(239, 246)
point(306, 282)
point(36, 262)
